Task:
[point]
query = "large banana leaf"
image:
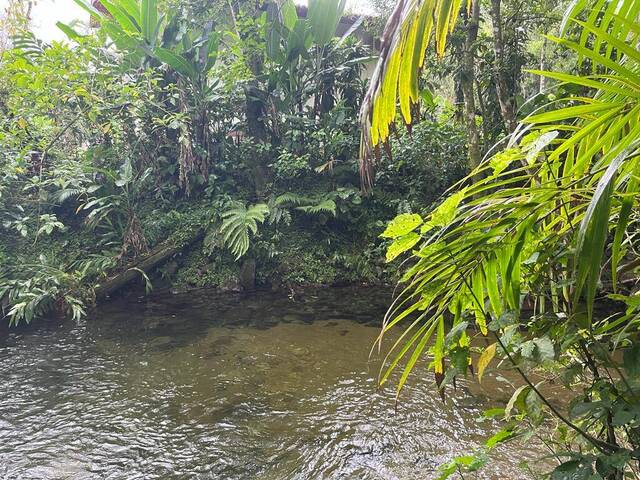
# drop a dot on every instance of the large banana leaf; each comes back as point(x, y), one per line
point(323, 17)
point(177, 62)
point(149, 19)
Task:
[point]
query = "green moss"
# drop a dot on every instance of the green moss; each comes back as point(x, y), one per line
point(177, 225)
point(198, 270)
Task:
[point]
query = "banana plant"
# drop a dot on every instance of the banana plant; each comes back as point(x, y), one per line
point(138, 29)
point(291, 40)
point(150, 38)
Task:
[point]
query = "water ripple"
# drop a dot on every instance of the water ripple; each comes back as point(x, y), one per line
point(195, 386)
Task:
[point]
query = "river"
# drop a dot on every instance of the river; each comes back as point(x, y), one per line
point(209, 385)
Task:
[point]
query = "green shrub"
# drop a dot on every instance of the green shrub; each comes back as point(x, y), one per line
point(423, 164)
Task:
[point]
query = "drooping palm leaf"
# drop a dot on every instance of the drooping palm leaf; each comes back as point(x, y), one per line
point(534, 221)
point(407, 34)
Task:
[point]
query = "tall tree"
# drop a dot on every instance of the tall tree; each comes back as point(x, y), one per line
point(505, 96)
point(467, 76)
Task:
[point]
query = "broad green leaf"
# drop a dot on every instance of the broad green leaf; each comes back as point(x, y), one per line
point(401, 245)
point(289, 14)
point(177, 62)
point(323, 16)
point(445, 212)
point(401, 225)
point(573, 470)
point(499, 437)
point(125, 22)
point(501, 160)
point(132, 8)
point(149, 19)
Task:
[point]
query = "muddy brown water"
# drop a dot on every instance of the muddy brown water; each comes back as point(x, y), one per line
point(228, 386)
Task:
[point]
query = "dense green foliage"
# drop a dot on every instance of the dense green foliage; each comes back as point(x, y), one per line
point(228, 135)
point(235, 137)
point(523, 251)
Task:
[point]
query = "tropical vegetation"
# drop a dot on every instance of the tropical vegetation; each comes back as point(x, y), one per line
point(232, 142)
point(482, 154)
point(529, 261)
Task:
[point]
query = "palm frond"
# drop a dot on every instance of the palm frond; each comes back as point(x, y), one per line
point(534, 221)
point(406, 37)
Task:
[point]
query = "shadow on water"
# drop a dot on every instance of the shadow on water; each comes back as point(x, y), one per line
point(229, 386)
point(170, 320)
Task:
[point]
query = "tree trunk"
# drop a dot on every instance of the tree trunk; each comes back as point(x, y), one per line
point(466, 83)
point(507, 108)
point(156, 257)
point(543, 66)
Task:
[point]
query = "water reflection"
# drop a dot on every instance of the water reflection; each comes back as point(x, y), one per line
point(205, 385)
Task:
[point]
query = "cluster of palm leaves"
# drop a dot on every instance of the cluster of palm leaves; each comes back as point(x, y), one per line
point(408, 32)
point(534, 235)
point(137, 28)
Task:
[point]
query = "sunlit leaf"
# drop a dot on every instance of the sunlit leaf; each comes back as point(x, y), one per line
point(485, 358)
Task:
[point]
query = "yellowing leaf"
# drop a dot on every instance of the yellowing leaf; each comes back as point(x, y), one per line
point(485, 358)
point(401, 225)
point(446, 211)
point(22, 123)
point(401, 245)
point(438, 349)
point(516, 400)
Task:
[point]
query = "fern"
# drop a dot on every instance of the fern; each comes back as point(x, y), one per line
point(238, 222)
point(313, 205)
point(65, 194)
point(290, 198)
point(279, 215)
point(325, 206)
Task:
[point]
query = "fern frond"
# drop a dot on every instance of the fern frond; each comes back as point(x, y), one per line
point(238, 222)
point(65, 194)
point(326, 206)
point(290, 198)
